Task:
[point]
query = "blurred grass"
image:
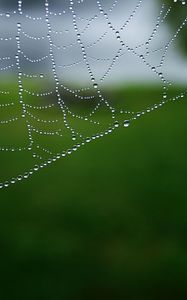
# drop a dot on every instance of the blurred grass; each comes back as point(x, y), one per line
point(108, 222)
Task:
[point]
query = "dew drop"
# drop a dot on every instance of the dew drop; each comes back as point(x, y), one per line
point(126, 123)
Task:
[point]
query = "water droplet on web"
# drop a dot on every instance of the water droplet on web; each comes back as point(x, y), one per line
point(126, 123)
point(95, 85)
point(116, 124)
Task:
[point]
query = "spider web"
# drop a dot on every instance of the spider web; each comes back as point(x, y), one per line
point(45, 117)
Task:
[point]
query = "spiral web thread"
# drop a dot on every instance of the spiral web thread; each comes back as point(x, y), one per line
point(60, 117)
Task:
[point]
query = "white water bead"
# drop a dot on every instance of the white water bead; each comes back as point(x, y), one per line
point(126, 123)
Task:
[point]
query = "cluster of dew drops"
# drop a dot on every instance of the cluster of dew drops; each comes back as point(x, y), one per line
point(123, 47)
point(182, 1)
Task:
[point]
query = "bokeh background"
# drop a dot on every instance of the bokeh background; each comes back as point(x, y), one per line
point(109, 221)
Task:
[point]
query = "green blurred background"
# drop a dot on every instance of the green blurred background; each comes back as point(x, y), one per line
point(107, 222)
